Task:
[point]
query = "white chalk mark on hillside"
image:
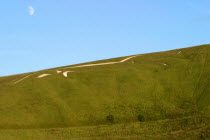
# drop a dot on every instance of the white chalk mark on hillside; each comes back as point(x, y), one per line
point(23, 78)
point(43, 75)
point(90, 65)
point(127, 59)
point(65, 74)
point(99, 64)
point(87, 65)
point(58, 71)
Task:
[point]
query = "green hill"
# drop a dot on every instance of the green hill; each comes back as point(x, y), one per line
point(147, 88)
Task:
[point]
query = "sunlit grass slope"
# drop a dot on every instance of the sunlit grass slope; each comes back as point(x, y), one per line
point(155, 86)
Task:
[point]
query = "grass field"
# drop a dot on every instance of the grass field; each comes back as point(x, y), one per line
point(163, 95)
point(192, 128)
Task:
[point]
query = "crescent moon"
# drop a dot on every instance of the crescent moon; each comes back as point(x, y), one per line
point(31, 10)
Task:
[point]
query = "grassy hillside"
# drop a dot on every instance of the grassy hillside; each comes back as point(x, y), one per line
point(149, 87)
point(170, 129)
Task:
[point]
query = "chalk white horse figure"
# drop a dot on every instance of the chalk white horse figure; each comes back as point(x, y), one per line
point(65, 74)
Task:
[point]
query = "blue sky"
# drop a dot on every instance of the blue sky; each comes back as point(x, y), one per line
point(64, 32)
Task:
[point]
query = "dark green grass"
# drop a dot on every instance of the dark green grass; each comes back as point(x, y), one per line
point(140, 86)
point(189, 128)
